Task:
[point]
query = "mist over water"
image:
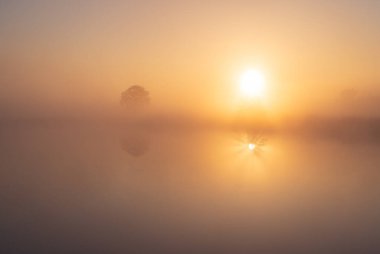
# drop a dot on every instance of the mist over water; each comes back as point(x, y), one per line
point(117, 188)
point(179, 127)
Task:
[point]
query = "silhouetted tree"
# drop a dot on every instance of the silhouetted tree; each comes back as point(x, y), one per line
point(135, 97)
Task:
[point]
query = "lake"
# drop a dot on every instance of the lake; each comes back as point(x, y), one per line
point(112, 189)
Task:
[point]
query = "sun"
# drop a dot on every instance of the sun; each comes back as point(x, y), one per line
point(252, 84)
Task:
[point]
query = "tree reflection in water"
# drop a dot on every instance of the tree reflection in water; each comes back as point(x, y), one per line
point(135, 145)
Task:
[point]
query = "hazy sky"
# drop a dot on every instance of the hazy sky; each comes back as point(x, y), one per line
point(77, 56)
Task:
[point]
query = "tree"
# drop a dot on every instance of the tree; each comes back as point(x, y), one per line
point(135, 97)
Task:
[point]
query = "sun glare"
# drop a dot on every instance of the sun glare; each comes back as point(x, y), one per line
point(252, 84)
point(251, 146)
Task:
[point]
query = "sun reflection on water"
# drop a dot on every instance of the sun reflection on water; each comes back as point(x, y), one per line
point(251, 146)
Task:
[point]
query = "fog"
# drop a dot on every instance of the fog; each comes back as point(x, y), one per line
point(189, 126)
point(121, 188)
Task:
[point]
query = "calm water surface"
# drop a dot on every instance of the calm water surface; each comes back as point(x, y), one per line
point(108, 189)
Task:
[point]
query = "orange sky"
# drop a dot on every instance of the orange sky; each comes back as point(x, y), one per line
point(65, 57)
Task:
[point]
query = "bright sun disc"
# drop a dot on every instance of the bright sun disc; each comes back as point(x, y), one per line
point(252, 84)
